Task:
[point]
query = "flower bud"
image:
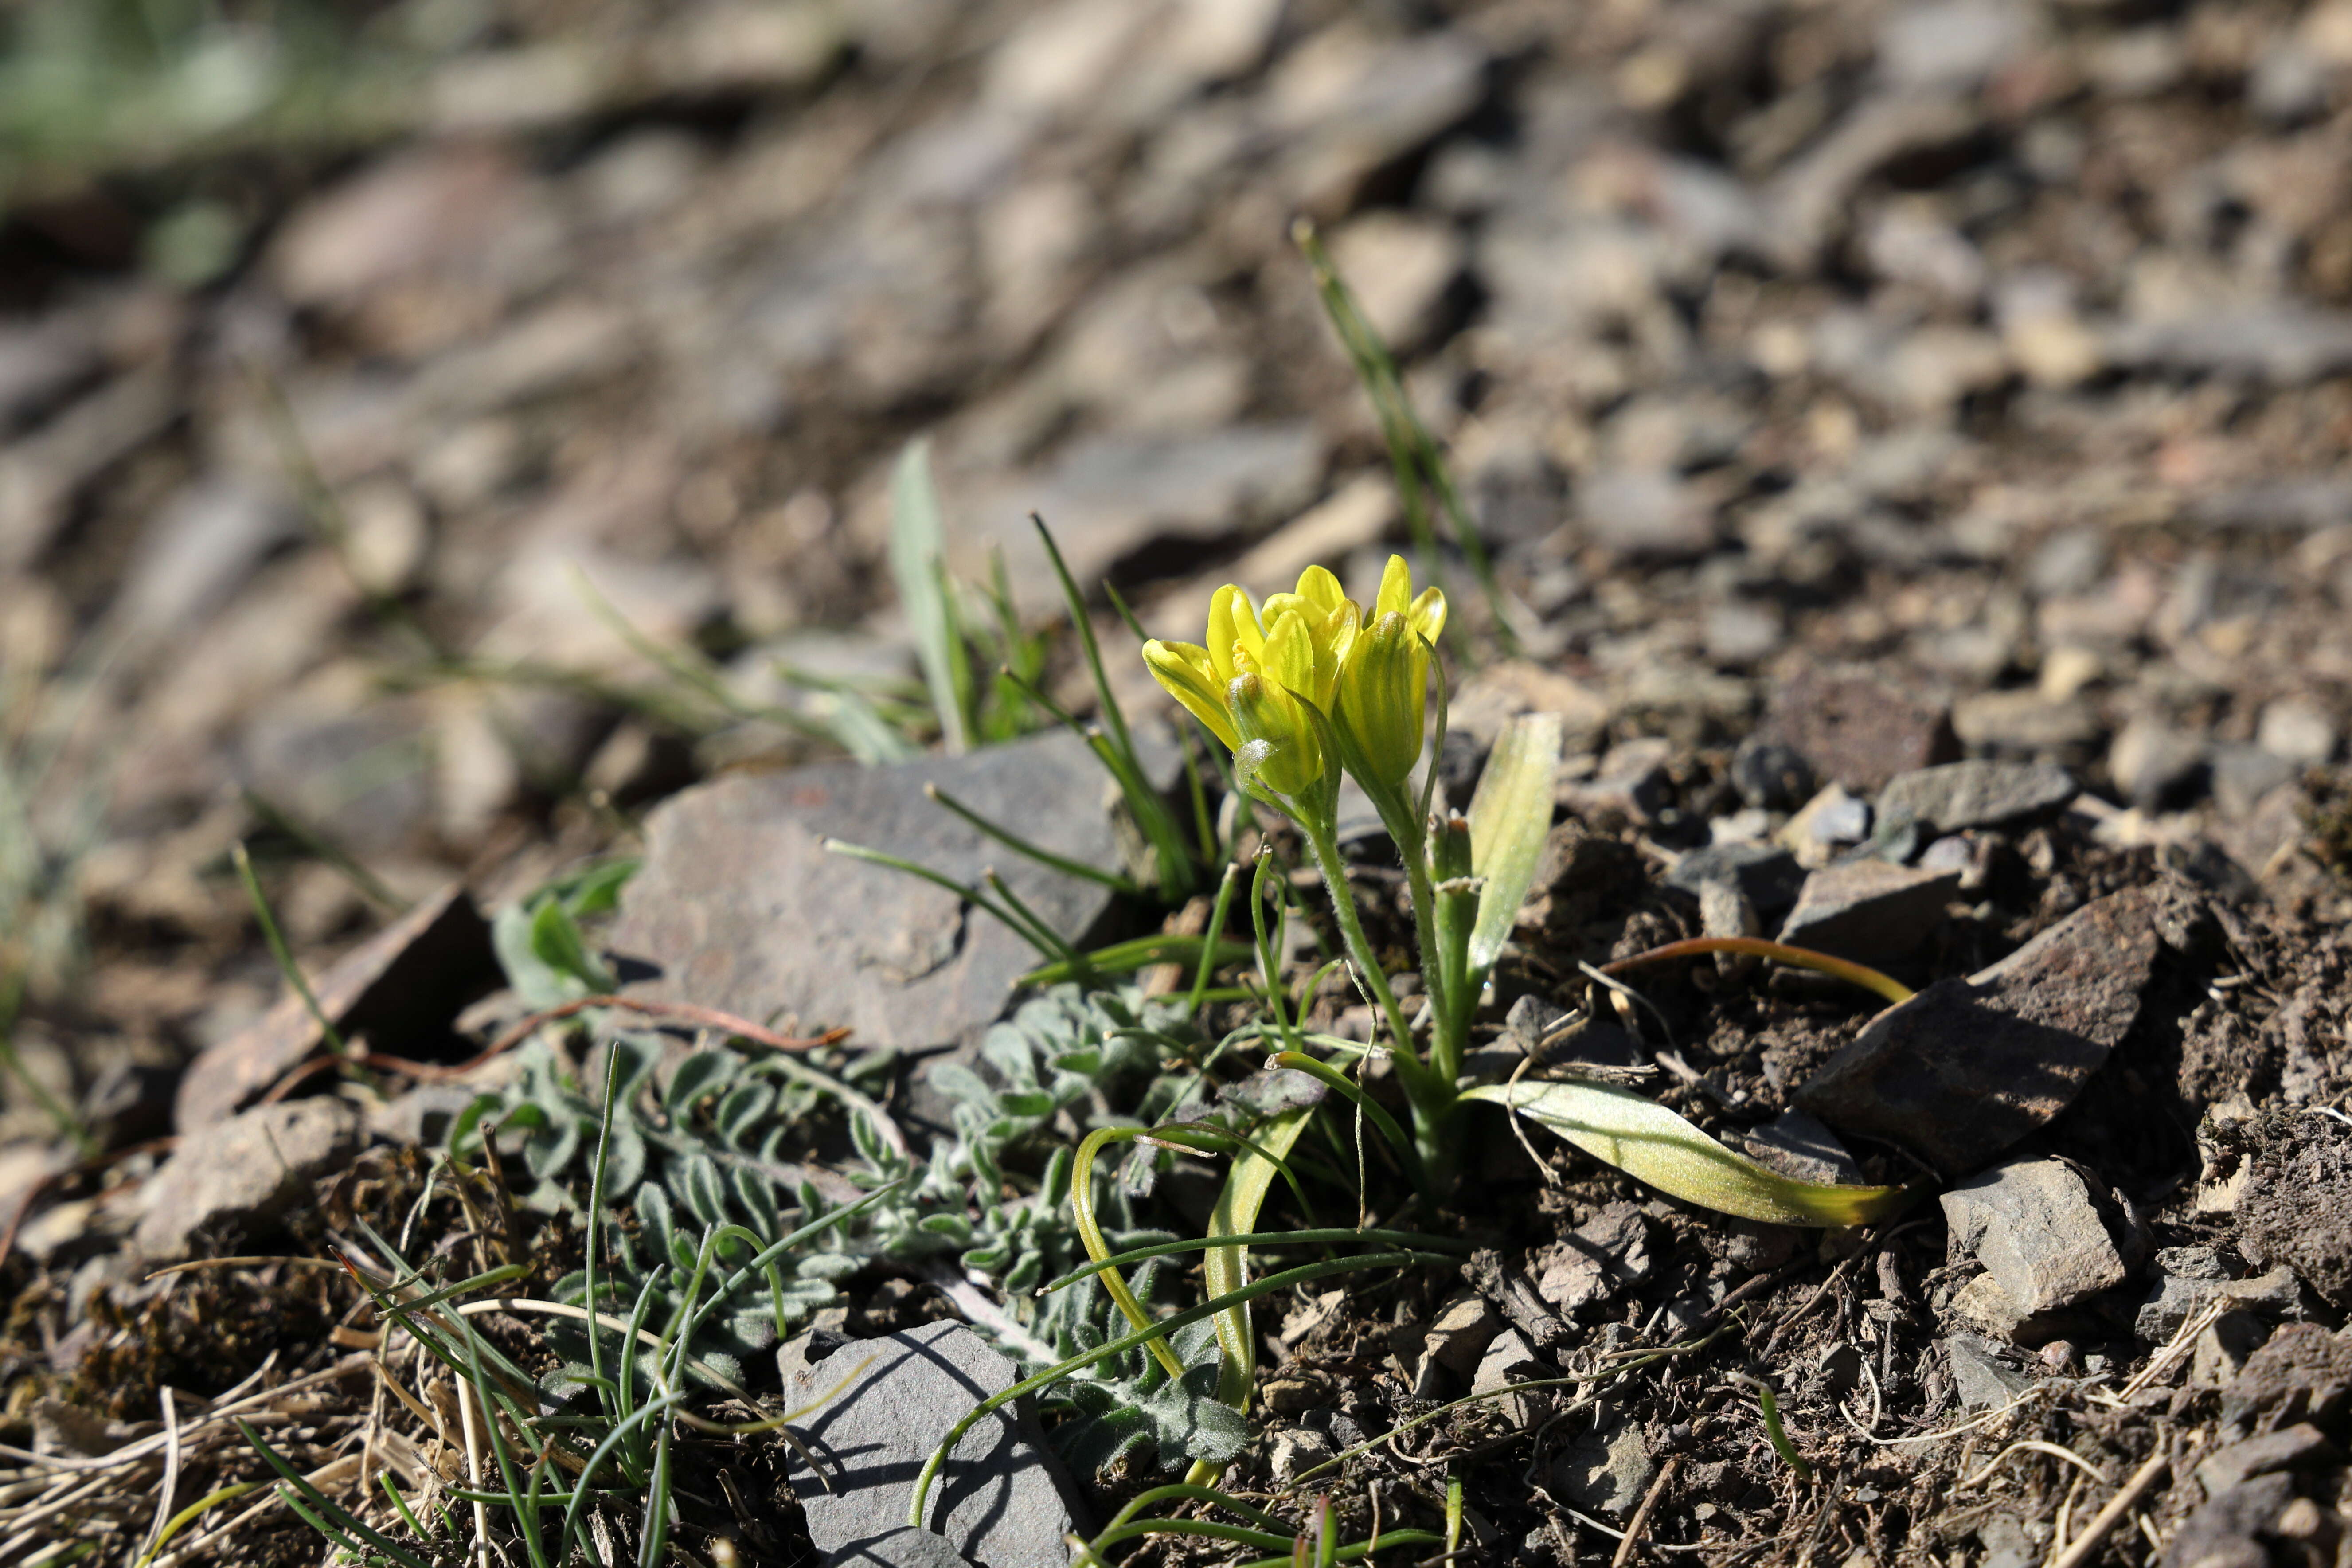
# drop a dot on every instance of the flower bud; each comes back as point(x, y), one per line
point(1265, 713)
point(1381, 696)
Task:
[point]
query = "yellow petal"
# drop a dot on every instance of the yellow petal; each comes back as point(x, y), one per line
point(1187, 674)
point(1233, 624)
point(1290, 654)
point(1428, 614)
point(1320, 589)
point(1396, 589)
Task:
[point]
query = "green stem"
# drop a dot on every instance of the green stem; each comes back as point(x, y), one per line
point(1322, 842)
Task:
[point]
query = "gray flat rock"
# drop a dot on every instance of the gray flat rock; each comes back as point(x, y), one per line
point(1000, 1500)
point(2033, 1226)
point(906, 1547)
point(1966, 1068)
point(235, 1180)
point(1977, 794)
point(740, 907)
point(1857, 728)
point(1871, 911)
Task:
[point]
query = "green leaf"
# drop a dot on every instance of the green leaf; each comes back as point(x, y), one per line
point(918, 543)
point(556, 941)
point(1509, 818)
point(1224, 1269)
point(1646, 1140)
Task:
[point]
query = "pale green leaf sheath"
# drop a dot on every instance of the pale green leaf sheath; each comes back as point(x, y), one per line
point(1644, 1139)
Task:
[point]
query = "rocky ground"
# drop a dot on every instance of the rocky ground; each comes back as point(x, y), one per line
point(1910, 441)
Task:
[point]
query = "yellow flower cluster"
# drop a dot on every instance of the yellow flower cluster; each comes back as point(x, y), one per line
point(1265, 665)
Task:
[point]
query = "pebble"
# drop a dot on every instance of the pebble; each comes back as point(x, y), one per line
point(2155, 764)
point(1765, 874)
point(233, 1180)
point(1856, 728)
point(1772, 777)
point(2181, 1296)
point(1631, 788)
point(1607, 1252)
point(1000, 1500)
point(2027, 722)
point(1968, 1067)
point(1831, 822)
point(1981, 1375)
point(1975, 793)
point(2297, 730)
point(2032, 1225)
point(1606, 1471)
point(1869, 911)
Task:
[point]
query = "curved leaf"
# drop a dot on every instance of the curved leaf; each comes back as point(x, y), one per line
point(1646, 1140)
point(1509, 818)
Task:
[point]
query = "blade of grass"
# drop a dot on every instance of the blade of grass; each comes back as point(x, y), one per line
point(281, 953)
point(918, 542)
point(1044, 856)
point(964, 890)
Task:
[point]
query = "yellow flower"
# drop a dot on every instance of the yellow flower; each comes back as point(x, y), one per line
point(1296, 644)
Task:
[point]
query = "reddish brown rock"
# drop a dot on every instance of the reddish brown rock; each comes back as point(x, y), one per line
point(1858, 728)
point(1966, 1068)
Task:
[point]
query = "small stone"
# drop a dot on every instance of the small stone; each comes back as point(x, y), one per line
point(1459, 1334)
point(2288, 1448)
point(1592, 1262)
point(2299, 731)
point(1508, 1360)
point(1402, 268)
point(2154, 765)
point(403, 984)
point(1647, 514)
point(1606, 1472)
point(1632, 786)
point(1000, 1499)
point(1765, 875)
point(2027, 722)
point(2223, 1349)
point(2180, 1298)
point(1857, 728)
point(1299, 1449)
point(1965, 1069)
point(1975, 793)
point(2032, 1225)
point(1774, 777)
point(1869, 911)
point(1796, 1144)
point(1982, 1376)
point(2243, 775)
point(1827, 825)
point(233, 1180)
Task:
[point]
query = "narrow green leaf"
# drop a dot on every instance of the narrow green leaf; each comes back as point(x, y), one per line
point(1509, 818)
point(1225, 1269)
point(917, 540)
point(1646, 1140)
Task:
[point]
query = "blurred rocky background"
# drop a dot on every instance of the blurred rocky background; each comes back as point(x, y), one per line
point(383, 386)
